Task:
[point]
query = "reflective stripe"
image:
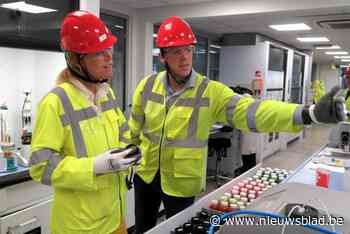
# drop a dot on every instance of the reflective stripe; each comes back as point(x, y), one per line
point(79, 143)
point(189, 102)
point(77, 116)
point(40, 156)
point(251, 116)
point(193, 123)
point(297, 116)
point(151, 137)
point(190, 143)
point(196, 103)
point(110, 104)
point(147, 90)
point(53, 159)
point(230, 108)
point(138, 118)
point(123, 129)
point(155, 97)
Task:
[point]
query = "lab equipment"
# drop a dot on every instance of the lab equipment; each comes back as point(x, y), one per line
point(340, 139)
point(26, 116)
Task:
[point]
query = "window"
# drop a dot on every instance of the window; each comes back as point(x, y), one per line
point(277, 59)
point(297, 79)
point(214, 62)
point(118, 27)
point(34, 31)
point(200, 55)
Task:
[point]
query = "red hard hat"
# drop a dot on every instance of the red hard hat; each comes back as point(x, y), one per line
point(83, 32)
point(174, 31)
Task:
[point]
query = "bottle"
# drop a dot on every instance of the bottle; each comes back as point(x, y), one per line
point(3, 123)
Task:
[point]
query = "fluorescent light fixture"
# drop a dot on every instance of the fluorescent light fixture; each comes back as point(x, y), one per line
point(342, 57)
point(290, 27)
point(25, 7)
point(345, 65)
point(118, 26)
point(345, 60)
point(333, 47)
point(313, 39)
point(336, 52)
point(215, 46)
point(155, 51)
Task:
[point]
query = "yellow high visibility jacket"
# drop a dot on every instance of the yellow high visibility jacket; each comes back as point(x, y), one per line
point(68, 135)
point(318, 89)
point(173, 132)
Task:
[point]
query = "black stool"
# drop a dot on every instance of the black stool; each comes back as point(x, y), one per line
point(218, 147)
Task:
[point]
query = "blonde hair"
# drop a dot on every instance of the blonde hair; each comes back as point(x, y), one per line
point(64, 76)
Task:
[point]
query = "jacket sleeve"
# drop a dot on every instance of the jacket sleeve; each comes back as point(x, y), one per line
point(137, 114)
point(248, 114)
point(49, 164)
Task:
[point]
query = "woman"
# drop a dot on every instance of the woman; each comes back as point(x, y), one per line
point(78, 124)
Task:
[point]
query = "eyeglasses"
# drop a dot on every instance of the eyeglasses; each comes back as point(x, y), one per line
point(177, 51)
point(99, 55)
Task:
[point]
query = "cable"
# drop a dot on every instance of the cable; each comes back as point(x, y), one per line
point(266, 214)
point(289, 214)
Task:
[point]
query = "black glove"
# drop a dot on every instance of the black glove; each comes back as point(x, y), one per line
point(331, 107)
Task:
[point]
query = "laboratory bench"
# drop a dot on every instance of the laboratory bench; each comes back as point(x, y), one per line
point(21, 174)
point(300, 187)
point(24, 203)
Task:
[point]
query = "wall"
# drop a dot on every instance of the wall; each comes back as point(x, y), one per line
point(239, 63)
point(330, 77)
point(22, 70)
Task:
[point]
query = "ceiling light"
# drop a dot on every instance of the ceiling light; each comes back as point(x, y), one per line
point(118, 26)
point(336, 52)
point(313, 39)
point(25, 7)
point(342, 57)
point(328, 47)
point(345, 60)
point(290, 27)
point(215, 46)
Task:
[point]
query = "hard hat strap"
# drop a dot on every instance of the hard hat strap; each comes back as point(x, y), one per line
point(79, 71)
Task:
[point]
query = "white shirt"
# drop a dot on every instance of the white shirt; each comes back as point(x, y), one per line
point(102, 90)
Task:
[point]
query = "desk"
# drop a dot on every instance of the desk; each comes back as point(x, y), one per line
point(21, 174)
point(306, 172)
point(297, 193)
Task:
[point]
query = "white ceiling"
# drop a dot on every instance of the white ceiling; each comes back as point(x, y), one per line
point(259, 23)
point(157, 3)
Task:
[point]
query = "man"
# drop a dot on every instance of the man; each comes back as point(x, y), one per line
point(347, 79)
point(172, 114)
point(78, 124)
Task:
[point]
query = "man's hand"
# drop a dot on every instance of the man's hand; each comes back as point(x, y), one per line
point(331, 107)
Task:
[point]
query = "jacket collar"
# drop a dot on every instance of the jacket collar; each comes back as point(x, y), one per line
point(102, 90)
point(189, 84)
